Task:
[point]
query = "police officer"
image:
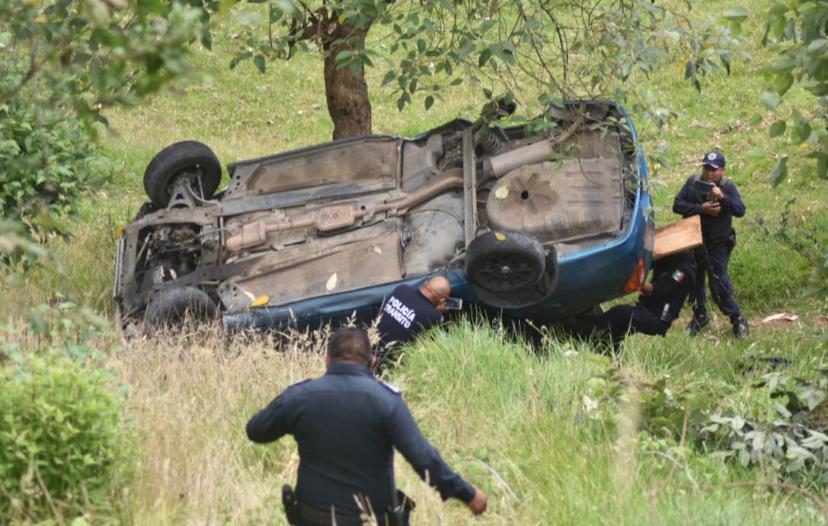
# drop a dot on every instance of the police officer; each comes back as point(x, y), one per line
point(347, 424)
point(717, 208)
point(407, 311)
point(660, 303)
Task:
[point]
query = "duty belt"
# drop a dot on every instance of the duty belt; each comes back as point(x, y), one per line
point(301, 514)
point(313, 517)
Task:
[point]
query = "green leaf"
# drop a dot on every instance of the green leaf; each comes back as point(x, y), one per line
point(777, 129)
point(390, 76)
point(343, 56)
point(429, 101)
point(822, 167)
point(780, 171)
point(770, 100)
point(783, 82)
point(484, 57)
point(801, 131)
point(818, 46)
point(736, 14)
point(259, 60)
point(238, 58)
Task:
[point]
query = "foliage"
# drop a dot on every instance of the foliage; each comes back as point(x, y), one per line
point(793, 444)
point(806, 238)
point(552, 49)
point(95, 53)
point(48, 160)
point(13, 240)
point(65, 58)
point(667, 411)
point(63, 445)
point(61, 327)
point(795, 32)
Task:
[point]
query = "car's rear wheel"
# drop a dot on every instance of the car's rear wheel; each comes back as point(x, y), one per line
point(510, 268)
point(177, 306)
point(183, 164)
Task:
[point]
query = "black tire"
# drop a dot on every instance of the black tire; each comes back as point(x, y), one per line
point(176, 306)
point(510, 269)
point(182, 158)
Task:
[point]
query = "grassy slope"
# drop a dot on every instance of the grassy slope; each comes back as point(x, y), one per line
point(512, 421)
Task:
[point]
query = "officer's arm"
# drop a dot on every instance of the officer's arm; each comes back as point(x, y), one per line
point(669, 282)
point(665, 285)
point(683, 203)
point(732, 200)
point(270, 423)
point(423, 457)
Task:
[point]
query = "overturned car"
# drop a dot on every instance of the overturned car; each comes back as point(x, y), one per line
point(531, 224)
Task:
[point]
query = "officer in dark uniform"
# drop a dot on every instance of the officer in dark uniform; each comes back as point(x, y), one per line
point(716, 208)
point(408, 311)
point(347, 424)
point(660, 303)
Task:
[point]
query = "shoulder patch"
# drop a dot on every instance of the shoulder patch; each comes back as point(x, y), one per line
point(300, 382)
point(391, 388)
point(678, 276)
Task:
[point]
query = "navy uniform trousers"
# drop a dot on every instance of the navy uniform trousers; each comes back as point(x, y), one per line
point(713, 259)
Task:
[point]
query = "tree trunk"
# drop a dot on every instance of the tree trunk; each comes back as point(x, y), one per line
point(345, 90)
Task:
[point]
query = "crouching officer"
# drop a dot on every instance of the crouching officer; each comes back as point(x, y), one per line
point(408, 311)
point(658, 306)
point(347, 424)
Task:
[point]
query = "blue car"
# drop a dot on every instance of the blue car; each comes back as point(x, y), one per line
point(532, 222)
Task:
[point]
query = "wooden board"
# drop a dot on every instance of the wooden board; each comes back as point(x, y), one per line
point(678, 237)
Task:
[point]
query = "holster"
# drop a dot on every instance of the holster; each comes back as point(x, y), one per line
point(291, 504)
point(400, 514)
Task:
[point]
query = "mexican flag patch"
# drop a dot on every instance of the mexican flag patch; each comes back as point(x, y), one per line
point(678, 276)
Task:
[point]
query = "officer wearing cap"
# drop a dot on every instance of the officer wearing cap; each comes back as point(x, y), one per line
point(716, 199)
point(660, 303)
point(347, 425)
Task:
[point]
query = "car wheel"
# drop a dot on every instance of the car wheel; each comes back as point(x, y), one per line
point(176, 306)
point(187, 161)
point(510, 268)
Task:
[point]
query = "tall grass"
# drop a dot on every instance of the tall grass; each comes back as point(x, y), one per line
point(510, 419)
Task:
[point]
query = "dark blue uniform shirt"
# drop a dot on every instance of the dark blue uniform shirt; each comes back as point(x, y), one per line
point(406, 312)
point(347, 424)
point(714, 229)
point(673, 278)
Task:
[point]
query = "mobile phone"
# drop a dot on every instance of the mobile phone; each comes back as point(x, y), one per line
point(703, 186)
point(453, 303)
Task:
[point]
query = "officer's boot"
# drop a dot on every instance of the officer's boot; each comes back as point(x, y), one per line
point(700, 321)
point(740, 327)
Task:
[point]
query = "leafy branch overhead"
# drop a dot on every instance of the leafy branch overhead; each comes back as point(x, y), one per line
point(795, 32)
point(62, 63)
point(556, 49)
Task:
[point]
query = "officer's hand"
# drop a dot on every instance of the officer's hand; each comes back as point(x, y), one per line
point(716, 193)
point(647, 288)
point(711, 208)
point(478, 504)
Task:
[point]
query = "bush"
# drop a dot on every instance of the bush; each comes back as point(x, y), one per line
point(62, 444)
point(48, 160)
